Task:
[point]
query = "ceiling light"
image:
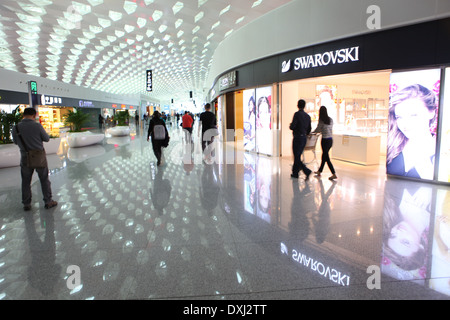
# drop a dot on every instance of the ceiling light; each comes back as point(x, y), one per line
point(83, 41)
point(95, 29)
point(94, 2)
point(157, 15)
point(129, 7)
point(105, 23)
point(28, 35)
point(199, 16)
point(34, 10)
point(141, 22)
point(61, 32)
point(162, 28)
point(226, 9)
point(28, 27)
point(115, 16)
point(215, 25)
point(26, 49)
point(119, 33)
point(28, 43)
point(66, 24)
point(128, 28)
point(201, 2)
point(89, 35)
point(177, 7)
point(56, 44)
point(256, 3)
point(53, 50)
point(80, 8)
point(58, 38)
point(42, 3)
point(111, 38)
point(29, 19)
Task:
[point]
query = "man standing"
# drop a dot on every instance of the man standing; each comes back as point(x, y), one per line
point(33, 135)
point(207, 121)
point(301, 127)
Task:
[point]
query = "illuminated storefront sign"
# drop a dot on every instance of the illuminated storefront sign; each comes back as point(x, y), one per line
point(339, 56)
point(85, 104)
point(49, 100)
point(229, 80)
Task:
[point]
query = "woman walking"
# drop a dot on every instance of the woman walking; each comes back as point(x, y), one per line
point(325, 127)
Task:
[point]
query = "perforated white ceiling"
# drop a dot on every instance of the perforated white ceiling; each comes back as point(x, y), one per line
point(108, 45)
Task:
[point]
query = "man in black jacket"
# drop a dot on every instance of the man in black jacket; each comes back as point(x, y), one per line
point(33, 135)
point(208, 126)
point(301, 127)
point(157, 143)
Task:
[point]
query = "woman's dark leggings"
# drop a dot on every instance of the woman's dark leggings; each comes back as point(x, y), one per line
point(326, 143)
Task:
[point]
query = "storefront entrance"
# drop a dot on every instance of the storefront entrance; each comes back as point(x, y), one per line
point(357, 103)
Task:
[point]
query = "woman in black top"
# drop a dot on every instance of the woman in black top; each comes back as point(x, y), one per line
point(157, 144)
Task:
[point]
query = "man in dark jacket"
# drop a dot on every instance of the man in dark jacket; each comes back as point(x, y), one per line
point(207, 122)
point(33, 135)
point(157, 143)
point(301, 127)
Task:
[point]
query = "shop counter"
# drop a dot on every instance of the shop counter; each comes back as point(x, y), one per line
point(355, 148)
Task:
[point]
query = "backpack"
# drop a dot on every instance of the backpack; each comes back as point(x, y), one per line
point(159, 132)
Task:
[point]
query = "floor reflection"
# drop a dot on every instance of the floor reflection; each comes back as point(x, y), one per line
point(235, 227)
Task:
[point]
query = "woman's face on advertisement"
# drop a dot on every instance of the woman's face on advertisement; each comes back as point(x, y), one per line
point(264, 107)
point(404, 240)
point(413, 118)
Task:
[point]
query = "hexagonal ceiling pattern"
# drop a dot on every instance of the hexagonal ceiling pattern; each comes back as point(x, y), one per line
point(108, 45)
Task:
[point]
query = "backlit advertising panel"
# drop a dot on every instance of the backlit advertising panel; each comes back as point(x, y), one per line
point(444, 153)
point(264, 135)
point(249, 106)
point(413, 120)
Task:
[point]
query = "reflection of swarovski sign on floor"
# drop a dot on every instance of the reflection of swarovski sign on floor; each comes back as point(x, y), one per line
point(323, 59)
point(317, 266)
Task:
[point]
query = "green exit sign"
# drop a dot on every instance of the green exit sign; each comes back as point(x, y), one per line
point(33, 87)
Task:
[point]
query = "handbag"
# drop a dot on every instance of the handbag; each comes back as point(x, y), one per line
point(165, 143)
point(35, 158)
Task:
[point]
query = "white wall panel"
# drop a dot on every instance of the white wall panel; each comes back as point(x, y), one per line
point(302, 23)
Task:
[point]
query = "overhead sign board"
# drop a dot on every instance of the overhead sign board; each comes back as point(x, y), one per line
point(149, 80)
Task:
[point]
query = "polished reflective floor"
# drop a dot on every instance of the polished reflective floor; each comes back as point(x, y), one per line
point(235, 227)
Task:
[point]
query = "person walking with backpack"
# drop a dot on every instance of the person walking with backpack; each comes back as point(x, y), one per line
point(157, 130)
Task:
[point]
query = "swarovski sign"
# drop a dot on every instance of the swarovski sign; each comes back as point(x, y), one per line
point(339, 56)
